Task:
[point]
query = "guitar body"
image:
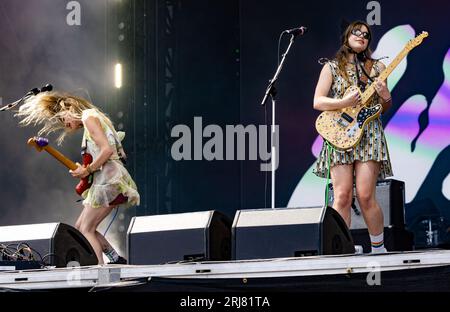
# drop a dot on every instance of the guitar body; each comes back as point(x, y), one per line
point(85, 183)
point(344, 128)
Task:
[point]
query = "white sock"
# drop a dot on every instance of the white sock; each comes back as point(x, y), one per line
point(112, 254)
point(377, 243)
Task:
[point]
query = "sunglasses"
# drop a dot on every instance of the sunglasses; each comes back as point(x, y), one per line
point(359, 33)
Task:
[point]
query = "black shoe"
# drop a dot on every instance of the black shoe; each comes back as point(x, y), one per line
point(121, 260)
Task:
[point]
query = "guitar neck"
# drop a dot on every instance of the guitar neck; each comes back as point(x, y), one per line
point(370, 91)
point(61, 158)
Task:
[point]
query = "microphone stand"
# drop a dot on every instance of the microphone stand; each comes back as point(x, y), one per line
point(14, 104)
point(32, 92)
point(272, 91)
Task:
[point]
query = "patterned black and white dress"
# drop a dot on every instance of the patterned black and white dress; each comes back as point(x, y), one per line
point(373, 145)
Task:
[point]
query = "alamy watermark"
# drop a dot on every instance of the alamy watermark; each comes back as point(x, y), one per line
point(73, 18)
point(374, 276)
point(235, 142)
point(374, 16)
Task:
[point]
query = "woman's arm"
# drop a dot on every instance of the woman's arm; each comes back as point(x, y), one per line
point(321, 100)
point(92, 124)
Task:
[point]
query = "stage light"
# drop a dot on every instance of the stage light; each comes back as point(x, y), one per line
point(118, 76)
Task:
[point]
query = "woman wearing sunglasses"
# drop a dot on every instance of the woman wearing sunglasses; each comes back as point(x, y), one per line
point(369, 159)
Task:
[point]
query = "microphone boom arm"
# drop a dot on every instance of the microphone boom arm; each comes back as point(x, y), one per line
point(271, 88)
point(32, 92)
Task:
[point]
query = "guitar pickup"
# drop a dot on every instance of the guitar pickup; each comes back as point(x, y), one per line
point(347, 117)
point(343, 123)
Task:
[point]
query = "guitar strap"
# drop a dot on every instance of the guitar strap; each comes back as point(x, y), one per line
point(367, 69)
point(119, 148)
point(362, 81)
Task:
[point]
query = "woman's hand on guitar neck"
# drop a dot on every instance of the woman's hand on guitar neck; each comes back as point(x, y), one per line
point(80, 173)
point(382, 89)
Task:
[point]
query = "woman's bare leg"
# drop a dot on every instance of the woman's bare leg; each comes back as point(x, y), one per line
point(342, 179)
point(91, 218)
point(366, 181)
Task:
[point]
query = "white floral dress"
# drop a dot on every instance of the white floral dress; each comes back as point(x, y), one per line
point(112, 179)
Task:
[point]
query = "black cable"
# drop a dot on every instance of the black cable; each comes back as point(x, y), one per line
point(354, 208)
point(49, 255)
point(11, 251)
point(112, 220)
point(33, 250)
point(15, 251)
point(21, 253)
point(7, 252)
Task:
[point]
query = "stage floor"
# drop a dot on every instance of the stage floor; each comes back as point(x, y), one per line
point(427, 270)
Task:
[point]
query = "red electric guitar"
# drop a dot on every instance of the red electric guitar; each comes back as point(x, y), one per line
point(42, 144)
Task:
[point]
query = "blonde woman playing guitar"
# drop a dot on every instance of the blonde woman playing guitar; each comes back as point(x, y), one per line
point(111, 184)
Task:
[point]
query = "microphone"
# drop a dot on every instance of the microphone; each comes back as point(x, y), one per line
point(32, 92)
point(296, 31)
point(35, 91)
point(47, 87)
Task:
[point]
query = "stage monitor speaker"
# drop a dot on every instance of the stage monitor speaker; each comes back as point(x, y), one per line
point(289, 232)
point(390, 195)
point(58, 244)
point(192, 236)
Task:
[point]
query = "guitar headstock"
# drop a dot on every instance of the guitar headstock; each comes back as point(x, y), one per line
point(38, 143)
point(416, 41)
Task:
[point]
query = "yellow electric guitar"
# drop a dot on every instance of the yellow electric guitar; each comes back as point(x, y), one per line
point(344, 128)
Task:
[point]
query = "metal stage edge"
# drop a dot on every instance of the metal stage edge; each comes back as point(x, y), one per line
point(123, 276)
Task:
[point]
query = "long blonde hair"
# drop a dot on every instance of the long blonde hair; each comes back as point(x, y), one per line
point(49, 108)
